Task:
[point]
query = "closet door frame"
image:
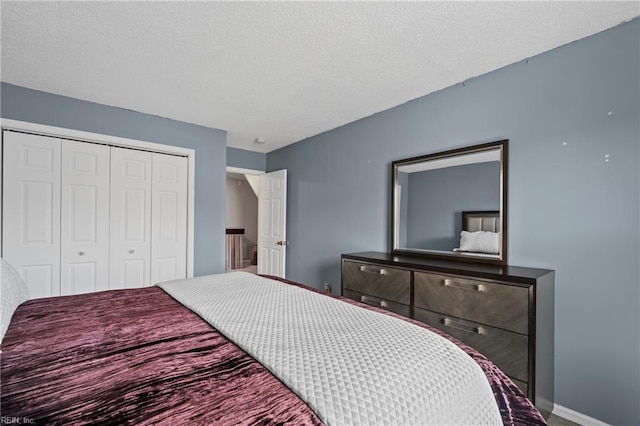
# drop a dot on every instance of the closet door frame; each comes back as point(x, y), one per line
point(59, 132)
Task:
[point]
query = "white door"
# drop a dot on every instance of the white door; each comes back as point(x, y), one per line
point(130, 242)
point(272, 223)
point(31, 210)
point(168, 218)
point(84, 247)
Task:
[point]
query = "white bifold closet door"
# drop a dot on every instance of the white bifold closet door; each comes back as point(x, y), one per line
point(31, 210)
point(80, 217)
point(130, 218)
point(148, 218)
point(84, 246)
point(168, 218)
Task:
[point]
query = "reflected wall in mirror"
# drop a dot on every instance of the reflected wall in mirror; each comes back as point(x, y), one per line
point(452, 204)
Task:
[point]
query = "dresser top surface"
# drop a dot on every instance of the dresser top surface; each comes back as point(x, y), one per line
point(497, 272)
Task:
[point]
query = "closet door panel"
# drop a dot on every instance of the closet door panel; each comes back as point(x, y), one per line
point(85, 217)
point(31, 210)
point(130, 231)
point(169, 218)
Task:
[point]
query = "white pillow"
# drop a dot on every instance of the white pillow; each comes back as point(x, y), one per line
point(480, 242)
point(13, 292)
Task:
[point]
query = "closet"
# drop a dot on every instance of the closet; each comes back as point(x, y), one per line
point(80, 217)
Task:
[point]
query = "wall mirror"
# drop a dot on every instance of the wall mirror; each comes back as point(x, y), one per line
point(452, 204)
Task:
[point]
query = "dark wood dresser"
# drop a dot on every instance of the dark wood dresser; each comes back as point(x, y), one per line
point(504, 312)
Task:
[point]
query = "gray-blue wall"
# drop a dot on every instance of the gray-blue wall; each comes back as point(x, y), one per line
point(438, 197)
point(244, 159)
point(569, 210)
point(19, 103)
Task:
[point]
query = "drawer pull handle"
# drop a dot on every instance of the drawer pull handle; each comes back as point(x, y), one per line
point(373, 301)
point(463, 327)
point(373, 270)
point(451, 283)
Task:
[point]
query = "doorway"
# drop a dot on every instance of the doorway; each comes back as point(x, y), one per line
point(242, 220)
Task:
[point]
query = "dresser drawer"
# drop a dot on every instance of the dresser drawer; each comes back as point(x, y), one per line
point(398, 308)
point(500, 305)
point(506, 349)
point(377, 280)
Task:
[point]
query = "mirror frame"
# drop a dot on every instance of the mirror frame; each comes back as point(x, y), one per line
point(501, 258)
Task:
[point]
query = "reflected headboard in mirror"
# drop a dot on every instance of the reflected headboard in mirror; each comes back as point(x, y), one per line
point(452, 204)
point(481, 221)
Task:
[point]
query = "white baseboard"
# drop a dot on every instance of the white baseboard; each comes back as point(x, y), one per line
point(576, 417)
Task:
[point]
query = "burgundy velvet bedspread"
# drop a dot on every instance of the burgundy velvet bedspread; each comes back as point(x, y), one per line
point(134, 357)
point(139, 357)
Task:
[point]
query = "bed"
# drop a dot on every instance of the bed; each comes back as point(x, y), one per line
point(474, 221)
point(481, 233)
point(220, 350)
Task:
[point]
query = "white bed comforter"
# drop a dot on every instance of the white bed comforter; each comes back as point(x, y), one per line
point(351, 365)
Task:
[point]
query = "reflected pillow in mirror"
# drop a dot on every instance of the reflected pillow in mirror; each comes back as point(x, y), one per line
point(479, 242)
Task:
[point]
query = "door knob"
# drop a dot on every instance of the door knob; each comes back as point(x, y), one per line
point(283, 243)
point(81, 253)
point(131, 251)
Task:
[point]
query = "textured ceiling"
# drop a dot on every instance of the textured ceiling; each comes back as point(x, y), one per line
point(281, 71)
